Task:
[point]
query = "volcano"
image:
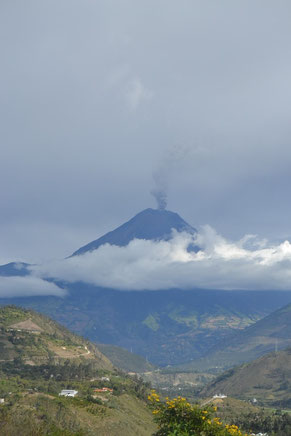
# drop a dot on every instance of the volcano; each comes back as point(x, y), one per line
point(170, 326)
point(150, 224)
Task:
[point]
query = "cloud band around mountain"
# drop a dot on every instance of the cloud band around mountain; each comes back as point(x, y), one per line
point(248, 264)
point(28, 286)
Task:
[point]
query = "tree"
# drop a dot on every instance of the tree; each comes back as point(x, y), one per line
point(177, 417)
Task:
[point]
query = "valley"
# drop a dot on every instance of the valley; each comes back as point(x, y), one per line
point(40, 359)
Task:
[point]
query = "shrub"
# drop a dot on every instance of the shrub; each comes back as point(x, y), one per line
point(177, 417)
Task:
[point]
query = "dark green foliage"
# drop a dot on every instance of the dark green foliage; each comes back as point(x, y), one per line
point(277, 423)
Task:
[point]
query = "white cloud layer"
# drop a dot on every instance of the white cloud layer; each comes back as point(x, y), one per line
point(248, 264)
point(27, 287)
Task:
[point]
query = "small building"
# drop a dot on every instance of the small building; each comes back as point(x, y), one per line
point(219, 396)
point(2, 401)
point(103, 390)
point(68, 393)
point(105, 379)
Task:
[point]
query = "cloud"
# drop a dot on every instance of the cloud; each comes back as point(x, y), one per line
point(81, 136)
point(136, 93)
point(27, 287)
point(247, 264)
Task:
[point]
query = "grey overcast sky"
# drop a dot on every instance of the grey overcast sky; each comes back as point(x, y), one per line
point(102, 100)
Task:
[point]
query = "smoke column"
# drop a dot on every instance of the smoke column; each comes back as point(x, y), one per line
point(172, 162)
point(160, 191)
point(160, 197)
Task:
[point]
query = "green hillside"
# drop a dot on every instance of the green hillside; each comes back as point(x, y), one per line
point(39, 359)
point(268, 379)
point(38, 414)
point(251, 418)
point(123, 359)
point(271, 333)
point(36, 339)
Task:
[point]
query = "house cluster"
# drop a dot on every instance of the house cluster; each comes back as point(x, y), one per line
point(219, 396)
point(68, 393)
point(72, 393)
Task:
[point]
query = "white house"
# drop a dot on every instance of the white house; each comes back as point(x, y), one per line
point(105, 379)
point(68, 393)
point(219, 396)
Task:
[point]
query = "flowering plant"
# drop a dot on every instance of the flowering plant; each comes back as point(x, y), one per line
point(177, 417)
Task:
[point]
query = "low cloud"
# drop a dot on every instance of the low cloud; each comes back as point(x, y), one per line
point(28, 286)
point(247, 264)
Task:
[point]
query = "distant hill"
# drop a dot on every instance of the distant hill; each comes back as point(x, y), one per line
point(268, 379)
point(270, 333)
point(36, 339)
point(124, 359)
point(14, 269)
point(167, 327)
point(152, 224)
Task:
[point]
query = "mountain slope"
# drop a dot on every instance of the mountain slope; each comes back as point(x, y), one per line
point(39, 359)
point(14, 269)
point(270, 333)
point(41, 414)
point(125, 360)
point(36, 339)
point(154, 224)
point(167, 327)
point(268, 379)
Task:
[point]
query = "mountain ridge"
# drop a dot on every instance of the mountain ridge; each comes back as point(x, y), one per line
point(268, 379)
point(272, 332)
point(149, 224)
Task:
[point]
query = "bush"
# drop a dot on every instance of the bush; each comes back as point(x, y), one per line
point(177, 417)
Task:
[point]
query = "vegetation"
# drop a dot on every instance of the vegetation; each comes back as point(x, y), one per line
point(251, 418)
point(125, 360)
point(268, 379)
point(39, 358)
point(47, 359)
point(33, 405)
point(274, 424)
point(172, 383)
point(178, 417)
point(266, 335)
point(36, 340)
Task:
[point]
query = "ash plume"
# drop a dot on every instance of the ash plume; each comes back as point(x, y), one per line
point(161, 198)
point(171, 162)
point(159, 192)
